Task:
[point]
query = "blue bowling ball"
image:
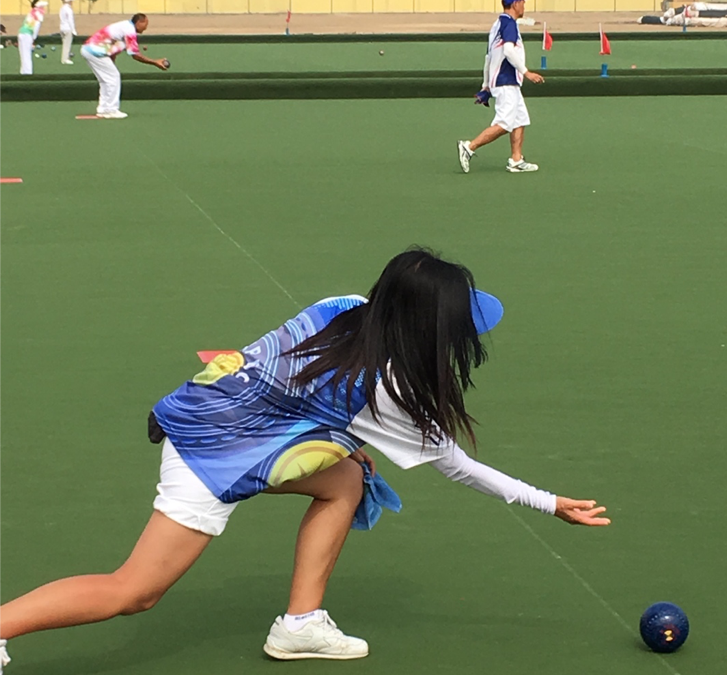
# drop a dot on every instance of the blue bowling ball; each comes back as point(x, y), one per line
point(664, 627)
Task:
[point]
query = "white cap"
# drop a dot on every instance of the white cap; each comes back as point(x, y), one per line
point(42, 3)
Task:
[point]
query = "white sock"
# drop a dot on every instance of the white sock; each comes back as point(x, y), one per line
point(294, 622)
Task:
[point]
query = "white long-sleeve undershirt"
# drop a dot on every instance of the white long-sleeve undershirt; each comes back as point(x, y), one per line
point(395, 435)
point(515, 56)
point(460, 467)
point(486, 72)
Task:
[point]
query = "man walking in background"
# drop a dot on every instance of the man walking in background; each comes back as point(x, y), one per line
point(504, 73)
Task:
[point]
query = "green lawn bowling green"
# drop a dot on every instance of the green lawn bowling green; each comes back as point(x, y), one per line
point(357, 56)
point(200, 225)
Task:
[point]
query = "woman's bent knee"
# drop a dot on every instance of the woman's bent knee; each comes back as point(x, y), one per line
point(140, 602)
point(133, 598)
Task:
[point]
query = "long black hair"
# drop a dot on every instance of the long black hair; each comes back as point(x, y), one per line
point(416, 333)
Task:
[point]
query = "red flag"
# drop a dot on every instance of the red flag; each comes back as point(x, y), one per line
point(547, 39)
point(605, 44)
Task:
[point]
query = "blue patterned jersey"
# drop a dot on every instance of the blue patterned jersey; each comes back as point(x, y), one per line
point(234, 422)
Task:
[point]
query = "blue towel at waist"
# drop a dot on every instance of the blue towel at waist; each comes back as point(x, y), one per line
point(377, 493)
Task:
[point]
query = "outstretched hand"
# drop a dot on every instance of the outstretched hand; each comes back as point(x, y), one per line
point(580, 511)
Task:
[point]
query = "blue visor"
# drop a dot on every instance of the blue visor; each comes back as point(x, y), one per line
point(487, 311)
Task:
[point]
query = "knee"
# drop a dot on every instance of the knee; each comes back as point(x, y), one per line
point(132, 609)
point(139, 602)
point(135, 598)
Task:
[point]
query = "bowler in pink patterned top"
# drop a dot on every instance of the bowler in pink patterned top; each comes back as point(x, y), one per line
point(101, 50)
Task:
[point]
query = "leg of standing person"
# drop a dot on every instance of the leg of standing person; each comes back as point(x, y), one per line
point(25, 49)
point(109, 82)
point(67, 37)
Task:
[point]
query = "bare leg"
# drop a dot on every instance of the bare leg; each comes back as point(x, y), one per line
point(336, 493)
point(487, 136)
point(164, 552)
point(516, 143)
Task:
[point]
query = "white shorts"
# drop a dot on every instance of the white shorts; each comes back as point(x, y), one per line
point(186, 499)
point(510, 109)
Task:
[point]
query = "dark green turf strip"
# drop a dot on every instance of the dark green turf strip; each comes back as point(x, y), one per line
point(606, 377)
point(331, 85)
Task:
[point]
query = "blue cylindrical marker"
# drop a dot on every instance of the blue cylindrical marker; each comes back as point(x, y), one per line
point(604, 70)
point(543, 63)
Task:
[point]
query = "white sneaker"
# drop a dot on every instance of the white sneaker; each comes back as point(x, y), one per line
point(4, 658)
point(318, 639)
point(520, 167)
point(113, 115)
point(463, 149)
point(66, 63)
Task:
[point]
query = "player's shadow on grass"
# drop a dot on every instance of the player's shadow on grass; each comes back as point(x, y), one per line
point(237, 614)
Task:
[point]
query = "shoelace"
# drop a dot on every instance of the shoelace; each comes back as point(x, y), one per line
point(330, 622)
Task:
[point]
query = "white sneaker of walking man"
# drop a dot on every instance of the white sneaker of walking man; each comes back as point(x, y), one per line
point(101, 50)
point(504, 73)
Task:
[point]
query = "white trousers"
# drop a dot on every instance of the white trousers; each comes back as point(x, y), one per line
point(109, 81)
point(67, 42)
point(25, 47)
